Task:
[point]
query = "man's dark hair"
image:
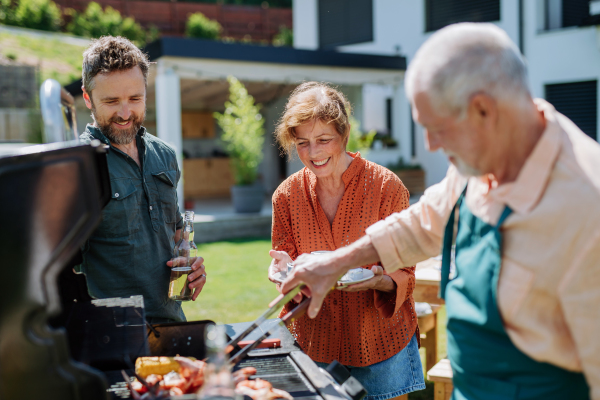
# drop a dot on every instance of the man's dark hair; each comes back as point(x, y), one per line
point(109, 54)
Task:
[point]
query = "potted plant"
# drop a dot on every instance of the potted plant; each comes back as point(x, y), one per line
point(243, 136)
point(411, 175)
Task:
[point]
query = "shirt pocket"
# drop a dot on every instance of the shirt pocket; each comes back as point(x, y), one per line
point(514, 285)
point(121, 212)
point(167, 193)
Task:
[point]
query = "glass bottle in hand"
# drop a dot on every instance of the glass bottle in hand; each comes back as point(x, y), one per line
point(184, 255)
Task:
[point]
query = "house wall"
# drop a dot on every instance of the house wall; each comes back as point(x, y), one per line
point(563, 55)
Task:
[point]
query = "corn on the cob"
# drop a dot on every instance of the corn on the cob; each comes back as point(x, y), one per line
point(145, 366)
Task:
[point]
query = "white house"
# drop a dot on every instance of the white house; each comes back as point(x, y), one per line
point(559, 39)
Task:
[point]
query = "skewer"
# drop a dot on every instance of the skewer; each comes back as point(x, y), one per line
point(287, 319)
point(273, 306)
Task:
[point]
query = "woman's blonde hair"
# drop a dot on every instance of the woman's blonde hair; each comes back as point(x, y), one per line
point(312, 100)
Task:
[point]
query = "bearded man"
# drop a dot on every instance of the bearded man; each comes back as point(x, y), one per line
point(129, 252)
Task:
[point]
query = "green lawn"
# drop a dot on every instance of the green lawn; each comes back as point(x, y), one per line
point(57, 60)
point(238, 290)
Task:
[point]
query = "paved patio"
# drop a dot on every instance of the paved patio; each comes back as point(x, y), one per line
point(215, 220)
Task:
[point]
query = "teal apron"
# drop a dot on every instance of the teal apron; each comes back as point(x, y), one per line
point(485, 363)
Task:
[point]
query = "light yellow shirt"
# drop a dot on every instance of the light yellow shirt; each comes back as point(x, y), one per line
point(549, 285)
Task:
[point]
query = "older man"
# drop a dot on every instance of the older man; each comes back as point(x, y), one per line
point(129, 252)
point(523, 308)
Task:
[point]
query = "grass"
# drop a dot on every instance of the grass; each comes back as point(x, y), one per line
point(238, 290)
point(57, 60)
point(237, 287)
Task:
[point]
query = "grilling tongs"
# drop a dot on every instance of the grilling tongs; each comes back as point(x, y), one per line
point(279, 301)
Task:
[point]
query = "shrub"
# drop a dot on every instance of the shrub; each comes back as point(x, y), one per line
point(357, 140)
point(34, 14)
point(243, 132)
point(95, 22)
point(198, 26)
point(285, 37)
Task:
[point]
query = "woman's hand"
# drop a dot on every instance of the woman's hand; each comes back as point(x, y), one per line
point(278, 264)
point(380, 282)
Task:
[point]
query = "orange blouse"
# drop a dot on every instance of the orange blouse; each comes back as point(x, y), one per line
point(360, 328)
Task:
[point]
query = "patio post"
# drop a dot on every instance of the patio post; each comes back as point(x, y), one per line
point(168, 116)
point(401, 122)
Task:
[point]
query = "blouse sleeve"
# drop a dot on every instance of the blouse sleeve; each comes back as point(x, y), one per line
point(282, 238)
point(395, 198)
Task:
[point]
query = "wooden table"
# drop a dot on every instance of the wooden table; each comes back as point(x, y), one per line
point(428, 327)
point(426, 290)
point(428, 281)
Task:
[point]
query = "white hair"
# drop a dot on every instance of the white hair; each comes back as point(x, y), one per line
point(463, 59)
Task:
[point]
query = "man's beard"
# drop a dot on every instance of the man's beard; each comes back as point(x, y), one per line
point(119, 136)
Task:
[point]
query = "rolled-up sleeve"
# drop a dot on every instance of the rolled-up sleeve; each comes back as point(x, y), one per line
point(413, 235)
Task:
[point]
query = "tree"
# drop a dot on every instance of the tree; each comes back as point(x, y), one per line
point(243, 132)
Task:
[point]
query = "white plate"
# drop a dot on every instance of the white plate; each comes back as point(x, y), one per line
point(355, 275)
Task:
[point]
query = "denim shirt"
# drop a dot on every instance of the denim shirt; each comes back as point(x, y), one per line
point(127, 253)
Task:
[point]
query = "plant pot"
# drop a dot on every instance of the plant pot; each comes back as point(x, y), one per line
point(247, 199)
point(413, 179)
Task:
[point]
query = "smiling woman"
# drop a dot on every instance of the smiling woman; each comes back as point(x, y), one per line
point(328, 205)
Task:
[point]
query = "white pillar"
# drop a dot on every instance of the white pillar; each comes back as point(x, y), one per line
point(305, 17)
point(168, 116)
point(401, 122)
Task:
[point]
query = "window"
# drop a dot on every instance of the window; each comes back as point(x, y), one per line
point(439, 13)
point(578, 101)
point(345, 22)
point(565, 13)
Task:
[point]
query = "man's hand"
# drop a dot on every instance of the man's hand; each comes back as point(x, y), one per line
point(320, 272)
point(197, 277)
point(380, 282)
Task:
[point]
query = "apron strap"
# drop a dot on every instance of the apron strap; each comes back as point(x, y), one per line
point(449, 237)
point(507, 211)
point(447, 248)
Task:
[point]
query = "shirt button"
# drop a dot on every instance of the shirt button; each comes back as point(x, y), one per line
point(150, 208)
point(116, 194)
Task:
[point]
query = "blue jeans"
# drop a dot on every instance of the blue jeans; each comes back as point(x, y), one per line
point(400, 374)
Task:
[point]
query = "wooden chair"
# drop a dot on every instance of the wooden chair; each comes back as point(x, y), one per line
point(441, 376)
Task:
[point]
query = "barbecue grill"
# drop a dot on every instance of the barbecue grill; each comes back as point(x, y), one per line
point(56, 342)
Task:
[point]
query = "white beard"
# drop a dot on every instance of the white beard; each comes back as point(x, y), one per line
point(462, 168)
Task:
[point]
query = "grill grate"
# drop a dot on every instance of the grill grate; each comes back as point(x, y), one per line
point(283, 373)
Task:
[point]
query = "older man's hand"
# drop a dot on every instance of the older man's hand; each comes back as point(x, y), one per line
point(320, 273)
point(197, 277)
